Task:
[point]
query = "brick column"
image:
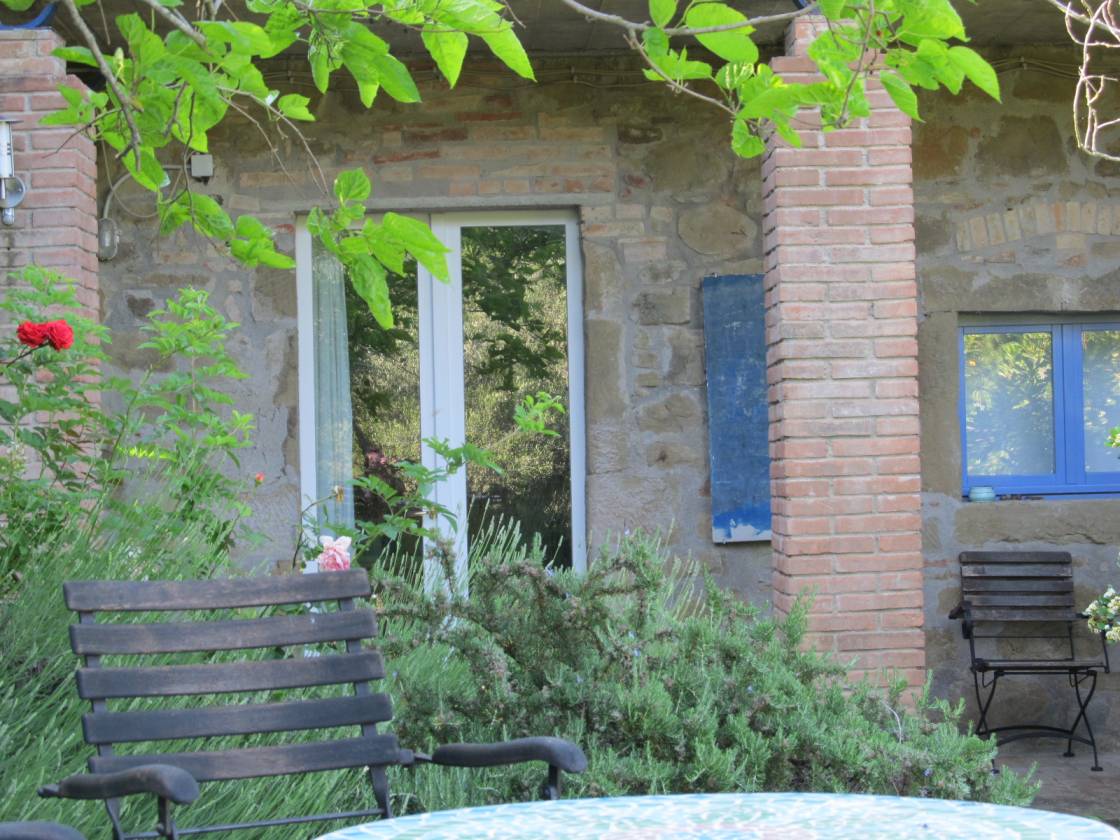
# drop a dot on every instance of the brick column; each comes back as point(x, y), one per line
point(56, 225)
point(843, 379)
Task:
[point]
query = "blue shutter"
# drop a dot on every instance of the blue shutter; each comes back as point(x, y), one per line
point(738, 439)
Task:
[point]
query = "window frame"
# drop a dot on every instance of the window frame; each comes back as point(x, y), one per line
point(1070, 478)
point(441, 352)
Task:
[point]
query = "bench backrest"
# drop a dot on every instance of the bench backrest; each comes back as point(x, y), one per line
point(1011, 586)
point(349, 664)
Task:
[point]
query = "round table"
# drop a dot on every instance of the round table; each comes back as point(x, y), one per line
point(765, 816)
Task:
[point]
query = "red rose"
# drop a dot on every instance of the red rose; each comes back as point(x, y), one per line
point(59, 334)
point(33, 335)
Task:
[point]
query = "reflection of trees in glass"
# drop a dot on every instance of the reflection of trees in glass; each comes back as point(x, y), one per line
point(515, 326)
point(515, 317)
point(385, 390)
point(1101, 372)
point(1009, 397)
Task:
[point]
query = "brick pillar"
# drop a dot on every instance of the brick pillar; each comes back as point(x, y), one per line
point(56, 225)
point(843, 378)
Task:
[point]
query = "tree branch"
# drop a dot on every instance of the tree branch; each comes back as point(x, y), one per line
point(176, 20)
point(634, 27)
point(110, 78)
point(632, 40)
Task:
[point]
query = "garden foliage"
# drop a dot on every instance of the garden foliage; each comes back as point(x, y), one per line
point(83, 450)
point(668, 687)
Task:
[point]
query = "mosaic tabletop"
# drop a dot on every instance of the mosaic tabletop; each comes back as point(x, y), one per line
point(718, 816)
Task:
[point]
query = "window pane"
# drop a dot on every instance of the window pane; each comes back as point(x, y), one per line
point(515, 335)
point(1101, 367)
point(1009, 403)
point(385, 393)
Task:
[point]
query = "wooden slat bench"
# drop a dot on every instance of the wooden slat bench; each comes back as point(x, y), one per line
point(1003, 595)
point(349, 665)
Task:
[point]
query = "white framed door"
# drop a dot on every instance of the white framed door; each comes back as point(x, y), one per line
point(441, 341)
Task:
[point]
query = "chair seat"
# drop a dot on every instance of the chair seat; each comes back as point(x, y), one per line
point(1056, 666)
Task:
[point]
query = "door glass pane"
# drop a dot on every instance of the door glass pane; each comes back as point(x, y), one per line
point(385, 394)
point(1101, 370)
point(1009, 403)
point(515, 337)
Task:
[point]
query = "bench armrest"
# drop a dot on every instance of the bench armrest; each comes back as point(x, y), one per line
point(557, 752)
point(163, 780)
point(37, 831)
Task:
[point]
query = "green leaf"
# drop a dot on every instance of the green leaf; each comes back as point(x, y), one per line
point(418, 239)
point(76, 55)
point(901, 93)
point(294, 107)
point(394, 77)
point(735, 45)
point(321, 68)
point(507, 47)
point(832, 9)
point(149, 174)
point(208, 216)
point(979, 72)
point(351, 185)
point(656, 42)
point(661, 12)
point(367, 276)
point(447, 49)
point(743, 142)
point(929, 19)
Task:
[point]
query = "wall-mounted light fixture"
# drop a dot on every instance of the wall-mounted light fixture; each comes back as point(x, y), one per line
point(12, 189)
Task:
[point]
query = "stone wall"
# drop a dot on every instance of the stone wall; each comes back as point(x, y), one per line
point(663, 202)
point(1010, 218)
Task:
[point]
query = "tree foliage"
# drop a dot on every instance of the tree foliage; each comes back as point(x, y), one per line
point(174, 72)
point(905, 44)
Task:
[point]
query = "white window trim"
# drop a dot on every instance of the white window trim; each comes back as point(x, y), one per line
point(441, 354)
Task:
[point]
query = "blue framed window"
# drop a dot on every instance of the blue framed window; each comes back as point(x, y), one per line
point(1037, 401)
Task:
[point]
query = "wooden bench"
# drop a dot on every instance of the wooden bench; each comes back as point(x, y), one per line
point(1026, 595)
point(349, 664)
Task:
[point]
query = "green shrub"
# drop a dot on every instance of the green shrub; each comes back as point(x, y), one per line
point(666, 688)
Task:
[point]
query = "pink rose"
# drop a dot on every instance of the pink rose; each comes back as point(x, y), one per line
point(336, 554)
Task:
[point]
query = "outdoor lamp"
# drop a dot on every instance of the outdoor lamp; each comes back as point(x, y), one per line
point(12, 189)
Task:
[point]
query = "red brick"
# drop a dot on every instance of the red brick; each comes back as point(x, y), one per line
point(877, 523)
point(889, 155)
point(879, 601)
point(884, 196)
point(882, 641)
point(870, 215)
point(887, 347)
point(864, 137)
point(874, 446)
point(901, 618)
point(831, 623)
point(868, 175)
point(817, 197)
point(892, 234)
point(905, 501)
point(878, 562)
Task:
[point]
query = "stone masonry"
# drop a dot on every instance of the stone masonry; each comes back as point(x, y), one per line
point(842, 369)
point(662, 202)
point(56, 225)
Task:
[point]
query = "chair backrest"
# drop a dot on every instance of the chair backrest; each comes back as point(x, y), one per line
point(1011, 586)
point(349, 666)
